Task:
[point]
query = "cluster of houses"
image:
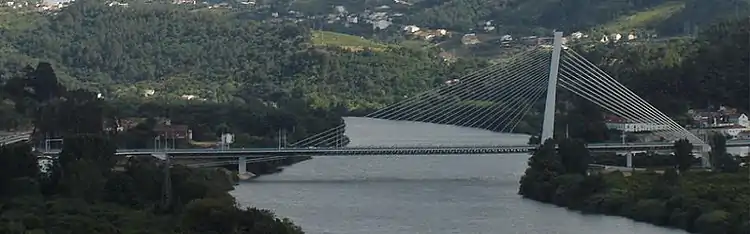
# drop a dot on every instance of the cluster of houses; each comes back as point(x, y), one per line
point(163, 128)
point(725, 120)
point(46, 5)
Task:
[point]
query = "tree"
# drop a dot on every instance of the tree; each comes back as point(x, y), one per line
point(79, 112)
point(721, 161)
point(83, 166)
point(544, 166)
point(95, 148)
point(33, 91)
point(16, 161)
point(718, 144)
point(210, 216)
point(683, 152)
point(574, 156)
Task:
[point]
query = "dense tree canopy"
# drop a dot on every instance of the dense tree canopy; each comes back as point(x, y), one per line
point(700, 202)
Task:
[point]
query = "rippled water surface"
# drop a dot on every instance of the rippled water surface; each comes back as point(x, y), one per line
point(419, 194)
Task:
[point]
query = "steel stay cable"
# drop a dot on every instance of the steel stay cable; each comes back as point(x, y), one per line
point(416, 98)
point(475, 94)
point(441, 91)
point(411, 112)
point(522, 110)
point(586, 93)
point(539, 77)
point(628, 114)
point(633, 115)
point(644, 102)
point(624, 102)
point(485, 95)
point(390, 116)
point(518, 76)
point(525, 113)
point(454, 110)
point(463, 79)
point(627, 102)
point(623, 110)
point(509, 110)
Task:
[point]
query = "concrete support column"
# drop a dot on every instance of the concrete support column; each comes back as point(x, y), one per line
point(705, 156)
point(242, 165)
point(629, 156)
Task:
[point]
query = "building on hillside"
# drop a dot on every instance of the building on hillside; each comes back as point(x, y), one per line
point(170, 131)
point(411, 28)
point(621, 124)
point(381, 24)
point(470, 39)
point(122, 125)
point(723, 117)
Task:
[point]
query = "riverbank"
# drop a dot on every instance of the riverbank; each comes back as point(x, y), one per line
point(698, 202)
point(84, 193)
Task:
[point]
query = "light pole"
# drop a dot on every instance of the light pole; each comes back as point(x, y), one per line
point(167, 193)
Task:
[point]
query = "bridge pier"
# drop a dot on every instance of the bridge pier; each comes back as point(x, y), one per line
point(705, 155)
point(242, 168)
point(629, 156)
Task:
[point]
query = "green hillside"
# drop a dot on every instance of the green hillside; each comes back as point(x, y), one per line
point(219, 57)
point(326, 38)
point(648, 18)
point(542, 16)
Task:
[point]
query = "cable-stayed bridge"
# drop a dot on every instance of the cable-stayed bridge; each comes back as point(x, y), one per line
point(501, 96)
point(497, 98)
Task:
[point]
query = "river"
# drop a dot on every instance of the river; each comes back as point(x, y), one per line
point(419, 194)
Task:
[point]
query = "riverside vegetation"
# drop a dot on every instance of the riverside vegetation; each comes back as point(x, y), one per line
point(696, 201)
point(87, 189)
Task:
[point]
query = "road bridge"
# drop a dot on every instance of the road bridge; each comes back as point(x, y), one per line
point(495, 98)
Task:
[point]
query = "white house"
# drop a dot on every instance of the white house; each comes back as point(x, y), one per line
point(506, 37)
point(576, 35)
point(411, 28)
point(743, 120)
point(637, 127)
point(620, 124)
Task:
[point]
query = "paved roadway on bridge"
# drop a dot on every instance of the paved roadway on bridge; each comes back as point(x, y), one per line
point(385, 150)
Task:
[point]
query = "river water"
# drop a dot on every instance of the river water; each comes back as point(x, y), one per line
point(419, 194)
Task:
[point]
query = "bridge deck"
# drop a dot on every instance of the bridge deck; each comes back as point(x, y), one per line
point(394, 150)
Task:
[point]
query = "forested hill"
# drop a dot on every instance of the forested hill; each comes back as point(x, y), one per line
point(661, 16)
point(214, 55)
